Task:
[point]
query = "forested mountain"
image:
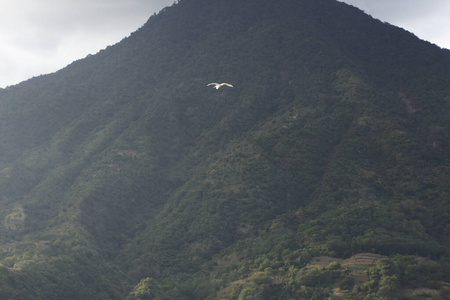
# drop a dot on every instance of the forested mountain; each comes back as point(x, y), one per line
point(323, 173)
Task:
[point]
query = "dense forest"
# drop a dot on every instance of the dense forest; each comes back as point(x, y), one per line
point(321, 174)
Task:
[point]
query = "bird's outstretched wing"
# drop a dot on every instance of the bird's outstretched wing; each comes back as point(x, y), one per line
point(227, 84)
point(212, 83)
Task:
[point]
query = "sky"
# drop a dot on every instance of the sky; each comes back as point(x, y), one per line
point(42, 36)
point(427, 19)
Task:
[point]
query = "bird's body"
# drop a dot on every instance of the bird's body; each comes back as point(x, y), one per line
point(218, 85)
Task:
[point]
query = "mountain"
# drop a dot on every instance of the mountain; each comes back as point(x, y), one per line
point(322, 174)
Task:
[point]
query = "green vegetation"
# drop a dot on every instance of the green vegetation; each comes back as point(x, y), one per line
point(124, 176)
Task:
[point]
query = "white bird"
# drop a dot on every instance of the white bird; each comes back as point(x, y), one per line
point(218, 85)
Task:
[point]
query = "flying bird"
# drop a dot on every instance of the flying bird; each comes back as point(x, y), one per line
point(218, 85)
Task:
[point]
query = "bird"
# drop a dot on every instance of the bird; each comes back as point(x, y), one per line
point(218, 85)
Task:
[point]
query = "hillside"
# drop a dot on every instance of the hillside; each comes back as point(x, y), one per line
point(124, 176)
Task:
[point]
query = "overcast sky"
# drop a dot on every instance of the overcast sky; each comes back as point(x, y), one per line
point(42, 36)
point(427, 19)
